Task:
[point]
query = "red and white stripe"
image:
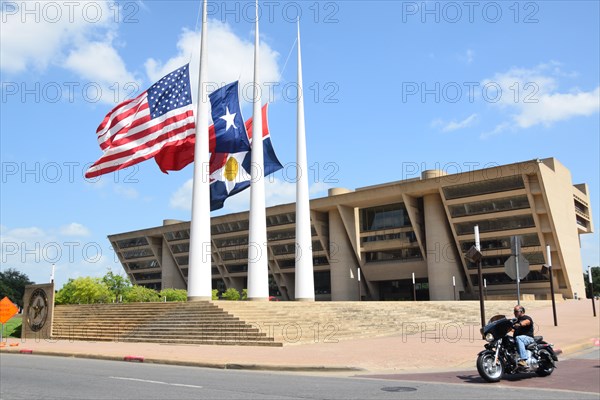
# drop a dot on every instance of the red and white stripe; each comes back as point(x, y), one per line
point(128, 135)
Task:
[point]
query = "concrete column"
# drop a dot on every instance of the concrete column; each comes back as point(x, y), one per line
point(171, 277)
point(442, 258)
point(344, 268)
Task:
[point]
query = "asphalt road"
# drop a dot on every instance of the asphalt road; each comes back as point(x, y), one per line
point(42, 377)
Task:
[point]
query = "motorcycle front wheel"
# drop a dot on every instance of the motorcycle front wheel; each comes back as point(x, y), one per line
point(488, 369)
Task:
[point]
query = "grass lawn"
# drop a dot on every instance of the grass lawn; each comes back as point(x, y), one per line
point(13, 324)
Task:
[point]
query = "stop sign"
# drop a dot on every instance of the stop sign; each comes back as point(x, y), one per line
point(510, 267)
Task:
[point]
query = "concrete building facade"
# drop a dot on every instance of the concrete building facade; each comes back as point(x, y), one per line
point(386, 233)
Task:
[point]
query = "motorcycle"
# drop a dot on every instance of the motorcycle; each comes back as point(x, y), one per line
point(501, 354)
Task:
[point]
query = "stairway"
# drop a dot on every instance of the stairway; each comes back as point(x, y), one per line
point(166, 323)
point(329, 322)
point(269, 323)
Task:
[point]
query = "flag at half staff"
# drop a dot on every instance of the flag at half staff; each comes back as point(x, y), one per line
point(230, 172)
point(138, 129)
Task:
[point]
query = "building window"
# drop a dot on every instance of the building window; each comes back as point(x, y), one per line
point(407, 237)
point(137, 253)
point(143, 265)
point(146, 277)
point(490, 206)
point(484, 187)
point(499, 224)
point(322, 281)
point(177, 235)
point(500, 243)
point(400, 255)
point(384, 217)
point(234, 241)
point(180, 248)
point(232, 269)
point(503, 279)
point(139, 241)
point(228, 227)
point(182, 260)
point(281, 219)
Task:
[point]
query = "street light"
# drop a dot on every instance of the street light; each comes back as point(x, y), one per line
point(474, 255)
point(414, 288)
point(549, 269)
point(591, 289)
point(454, 287)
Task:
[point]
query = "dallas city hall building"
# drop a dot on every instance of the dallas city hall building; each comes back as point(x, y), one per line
point(386, 233)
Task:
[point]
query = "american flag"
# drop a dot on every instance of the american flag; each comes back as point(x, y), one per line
point(138, 129)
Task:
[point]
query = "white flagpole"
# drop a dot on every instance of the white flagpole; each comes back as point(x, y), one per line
point(305, 285)
point(199, 272)
point(258, 269)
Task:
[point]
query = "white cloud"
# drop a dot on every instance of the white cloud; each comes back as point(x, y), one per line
point(182, 198)
point(230, 58)
point(77, 36)
point(453, 125)
point(113, 79)
point(74, 229)
point(32, 250)
point(126, 192)
point(534, 98)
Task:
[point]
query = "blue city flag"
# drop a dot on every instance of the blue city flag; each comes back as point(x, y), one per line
point(230, 172)
point(230, 130)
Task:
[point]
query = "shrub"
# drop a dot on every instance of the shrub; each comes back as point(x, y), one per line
point(84, 291)
point(231, 294)
point(173, 294)
point(140, 294)
point(245, 294)
point(215, 294)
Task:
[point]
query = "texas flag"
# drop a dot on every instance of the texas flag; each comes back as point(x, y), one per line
point(230, 172)
point(227, 134)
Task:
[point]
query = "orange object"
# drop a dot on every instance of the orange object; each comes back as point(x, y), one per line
point(7, 310)
point(14, 344)
point(3, 344)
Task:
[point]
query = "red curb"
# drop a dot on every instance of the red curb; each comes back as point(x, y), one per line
point(134, 358)
point(26, 351)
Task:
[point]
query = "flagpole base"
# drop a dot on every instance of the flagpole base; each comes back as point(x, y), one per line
point(307, 299)
point(198, 298)
point(258, 299)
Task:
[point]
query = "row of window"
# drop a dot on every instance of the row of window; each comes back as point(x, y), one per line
point(535, 258)
point(489, 206)
point(498, 224)
point(484, 187)
point(126, 243)
point(500, 243)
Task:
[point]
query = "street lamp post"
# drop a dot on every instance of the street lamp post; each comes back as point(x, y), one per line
point(414, 287)
point(474, 255)
point(591, 289)
point(454, 287)
point(549, 259)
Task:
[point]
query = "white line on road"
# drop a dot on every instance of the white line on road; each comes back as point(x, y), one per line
point(157, 382)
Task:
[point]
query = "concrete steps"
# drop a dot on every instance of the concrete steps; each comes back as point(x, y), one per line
point(173, 323)
point(268, 323)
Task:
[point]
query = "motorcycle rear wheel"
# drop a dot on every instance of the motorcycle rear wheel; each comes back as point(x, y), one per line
point(546, 365)
point(488, 369)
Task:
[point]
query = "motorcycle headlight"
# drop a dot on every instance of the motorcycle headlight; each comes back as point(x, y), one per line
point(489, 337)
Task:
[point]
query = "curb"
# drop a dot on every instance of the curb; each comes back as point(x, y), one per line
point(198, 364)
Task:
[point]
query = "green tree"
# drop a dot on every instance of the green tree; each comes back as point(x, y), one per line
point(173, 294)
point(12, 285)
point(595, 282)
point(84, 290)
point(116, 283)
point(140, 294)
point(231, 294)
point(215, 294)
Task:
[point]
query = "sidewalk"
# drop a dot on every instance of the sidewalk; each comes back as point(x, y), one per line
point(448, 347)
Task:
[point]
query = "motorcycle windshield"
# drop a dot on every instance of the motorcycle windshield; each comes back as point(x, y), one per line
point(498, 328)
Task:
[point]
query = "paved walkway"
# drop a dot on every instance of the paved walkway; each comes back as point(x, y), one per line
point(440, 348)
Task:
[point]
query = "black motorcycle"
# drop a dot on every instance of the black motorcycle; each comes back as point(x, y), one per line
point(501, 354)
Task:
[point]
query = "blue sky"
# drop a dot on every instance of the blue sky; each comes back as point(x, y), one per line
point(392, 88)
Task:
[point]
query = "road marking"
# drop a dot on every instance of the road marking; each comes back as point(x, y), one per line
point(156, 382)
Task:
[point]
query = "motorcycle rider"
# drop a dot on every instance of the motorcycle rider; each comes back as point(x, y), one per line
point(523, 333)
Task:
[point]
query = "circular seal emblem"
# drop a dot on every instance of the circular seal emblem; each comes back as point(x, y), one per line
point(38, 310)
